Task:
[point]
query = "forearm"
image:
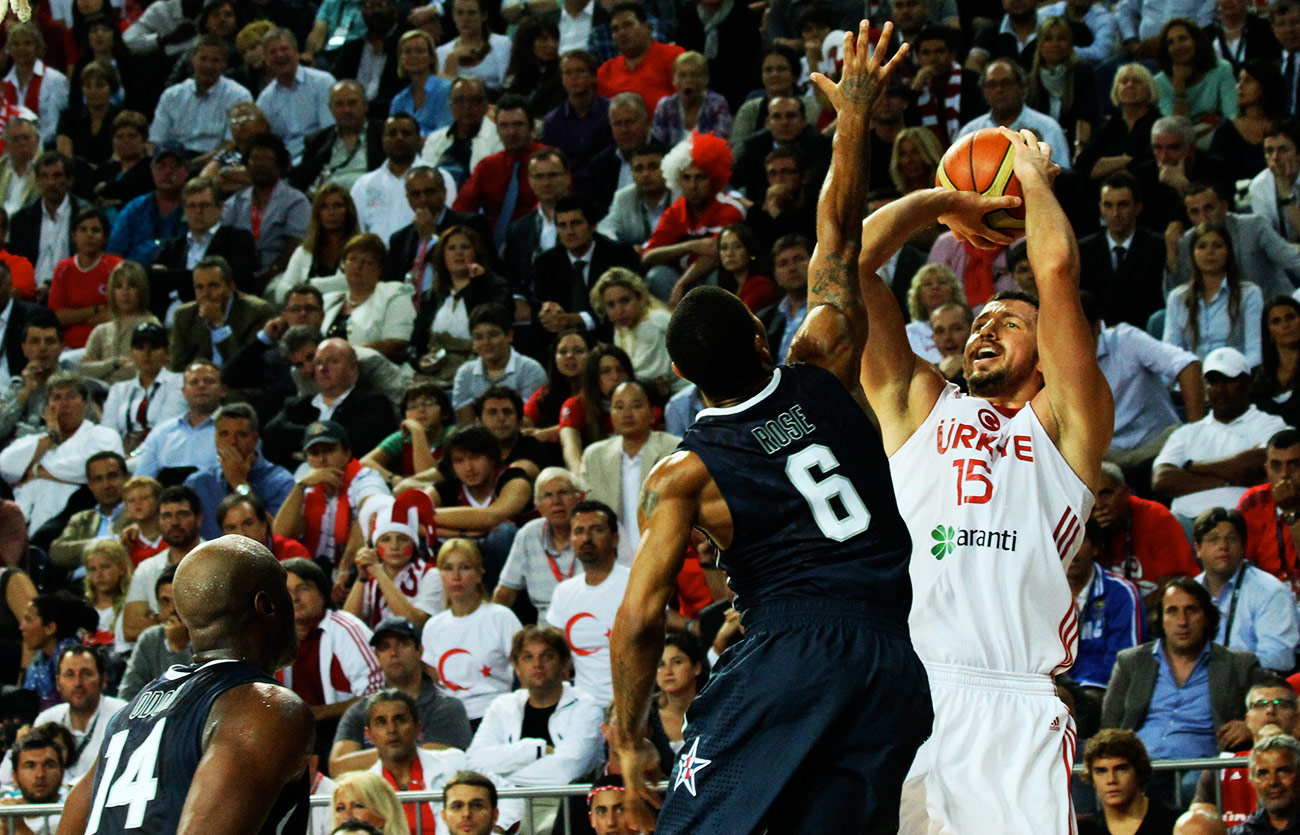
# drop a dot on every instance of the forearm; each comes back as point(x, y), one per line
point(1106, 166)
point(839, 216)
point(334, 711)
point(136, 618)
point(666, 254)
point(1190, 383)
point(394, 349)
point(1174, 481)
point(400, 604)
point(289, 521)
point(477, 519)
point(635, 647)
point(355, 761)
point(316, 38)
point(421, 452)
point(66, 552)
point(1243, 469)
point(1053, 254)
point(889, 227)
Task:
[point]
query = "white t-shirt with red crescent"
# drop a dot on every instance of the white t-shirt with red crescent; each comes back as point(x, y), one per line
point(470, 656)
point(586, 613)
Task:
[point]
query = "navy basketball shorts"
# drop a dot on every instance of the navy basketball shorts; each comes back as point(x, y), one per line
point(809, 725)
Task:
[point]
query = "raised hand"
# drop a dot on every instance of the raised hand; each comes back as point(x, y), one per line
point(1033, 158)
point(865, 75)
point(965, 217)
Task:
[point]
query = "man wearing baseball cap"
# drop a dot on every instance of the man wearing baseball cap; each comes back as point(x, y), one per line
point(148, 220)
point(1211, 463)
point(396, 642)
point(328, 498)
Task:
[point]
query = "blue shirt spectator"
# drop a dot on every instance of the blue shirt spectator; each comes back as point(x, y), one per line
point(140, 228)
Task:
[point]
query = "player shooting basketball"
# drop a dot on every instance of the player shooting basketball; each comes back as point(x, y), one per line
point(995, 489)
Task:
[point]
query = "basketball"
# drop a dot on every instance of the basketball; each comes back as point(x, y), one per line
point(982, 162)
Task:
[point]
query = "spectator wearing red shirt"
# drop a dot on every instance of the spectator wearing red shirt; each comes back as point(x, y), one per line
point(688, 229)
point(143, 534)
point(499, 184)
point(21, 272)
point(1141, 540)
point(644, 65)
point(79, 290)
point(1272, 509)
point(245, 514)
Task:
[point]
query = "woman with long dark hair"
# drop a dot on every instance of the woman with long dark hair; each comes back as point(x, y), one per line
point(1193, 81)
point(1277, 380)
point(51, 623)
point(1215, 308)
point(568, 361)
point(1240, 140)
point(534, 71)
point(333, 223)
point(584, 418)
point(682, 673)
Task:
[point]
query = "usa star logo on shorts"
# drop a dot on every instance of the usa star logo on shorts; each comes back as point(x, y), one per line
point(689, 766)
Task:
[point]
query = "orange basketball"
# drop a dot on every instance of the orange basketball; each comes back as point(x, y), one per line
point(982, 162)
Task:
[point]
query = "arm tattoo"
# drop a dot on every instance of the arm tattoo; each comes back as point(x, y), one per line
point(829, 283)
point(649, 499)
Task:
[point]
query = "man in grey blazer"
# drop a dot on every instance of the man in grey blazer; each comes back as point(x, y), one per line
point(1183, 695)
point(1263, 256)
point(636, 208)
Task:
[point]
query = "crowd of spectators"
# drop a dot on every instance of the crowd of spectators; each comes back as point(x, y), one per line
point(384, 286)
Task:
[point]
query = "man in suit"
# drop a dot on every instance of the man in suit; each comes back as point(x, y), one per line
point(170, 279)
point(22, 141)
point(1183, 695)
point(566, 272)
point(636, 209)
point(611, 169)
point(1176, 163)
point(219, 320)
point(55, 205)
point(105, 475)
point(790, 257)
point(411, 247)
point(1263, 256)
point(342, 397)
point(534, 233)
point(786, 126)
point(377, 46)
point(345, 150)
point(13, 315)
point(1123, 265)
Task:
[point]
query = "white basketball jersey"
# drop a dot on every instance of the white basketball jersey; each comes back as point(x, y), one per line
point(996, 515)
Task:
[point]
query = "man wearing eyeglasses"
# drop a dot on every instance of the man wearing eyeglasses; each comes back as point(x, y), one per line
point(1257, 610)
point(542, 554)
point(1271, 708)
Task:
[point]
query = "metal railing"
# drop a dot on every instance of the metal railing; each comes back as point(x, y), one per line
point(528, 795)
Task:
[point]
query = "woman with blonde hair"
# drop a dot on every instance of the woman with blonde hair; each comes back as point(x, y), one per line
point(367, 797)
point(108, 348)
point(1124, 139)
point(640, 324)
point(468, 644)
point(428, 98)
point(933, 285)
point(915, 159)
point(108, 577)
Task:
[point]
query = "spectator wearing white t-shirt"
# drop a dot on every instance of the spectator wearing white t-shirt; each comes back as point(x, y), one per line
point(584, 606)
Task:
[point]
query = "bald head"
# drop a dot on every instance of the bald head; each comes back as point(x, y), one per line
point(231, 593)
point(336, 367)
point(1200, 822)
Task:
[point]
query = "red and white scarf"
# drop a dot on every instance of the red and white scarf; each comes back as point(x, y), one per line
point(316, 506)
point(951, 114)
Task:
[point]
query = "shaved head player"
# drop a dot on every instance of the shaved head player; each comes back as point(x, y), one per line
point(995, 488)
point(216, 746)
point(817, 713)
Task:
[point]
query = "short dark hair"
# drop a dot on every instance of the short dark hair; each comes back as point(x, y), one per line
point(306, 290)
point(237, 411)
point(635, 8)
point(1016, 296)
point(499, 393)
point(428, 389)
point(790, 241)
point(597, 506)
point(471, 778)
point(106, 455)
point(91, 213)
point(167, 577)
point(236, 499)
point(1210, 519)
point(491, 313)
point(544, 634)
point(947, 34)
point(651, 147)
point(1123, 179)
point(392, 694)
point(1285, 439)
point(514, 101)
point(1288, 127)
point(547, 152)
point(1202, 186)
point(579, 203)
point(181, 493)
point(474, 439)
point(309, 572)
point(1202, 595)
point(1124, 745)
point(216, 262)
point(36, 740)
point(81, 649)
point(54, 158)
point(711, 341)
point(44, 319)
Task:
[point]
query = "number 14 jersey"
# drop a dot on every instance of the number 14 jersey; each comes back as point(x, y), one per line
point(996, 514)
point(153, 746)
point(805, 477)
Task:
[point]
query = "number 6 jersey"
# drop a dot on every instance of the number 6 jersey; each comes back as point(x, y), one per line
point(805, 477)
point(153, 746)
point(996, 514)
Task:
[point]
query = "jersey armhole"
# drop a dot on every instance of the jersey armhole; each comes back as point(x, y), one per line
point(948, 393)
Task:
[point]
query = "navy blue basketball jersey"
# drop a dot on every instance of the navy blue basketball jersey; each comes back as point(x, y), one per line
point(806, 479)
point(152, 748)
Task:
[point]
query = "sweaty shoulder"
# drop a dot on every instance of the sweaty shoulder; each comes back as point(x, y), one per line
point(259, 707)
point(826, 339)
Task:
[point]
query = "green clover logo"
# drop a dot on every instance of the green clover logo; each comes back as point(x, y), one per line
point(944, 541)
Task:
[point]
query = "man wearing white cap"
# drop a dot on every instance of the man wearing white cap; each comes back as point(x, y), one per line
point(1211, 463)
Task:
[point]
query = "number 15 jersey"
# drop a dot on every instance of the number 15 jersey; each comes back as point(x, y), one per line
point(153, 746)
point(805, 477)
point(996, 514)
